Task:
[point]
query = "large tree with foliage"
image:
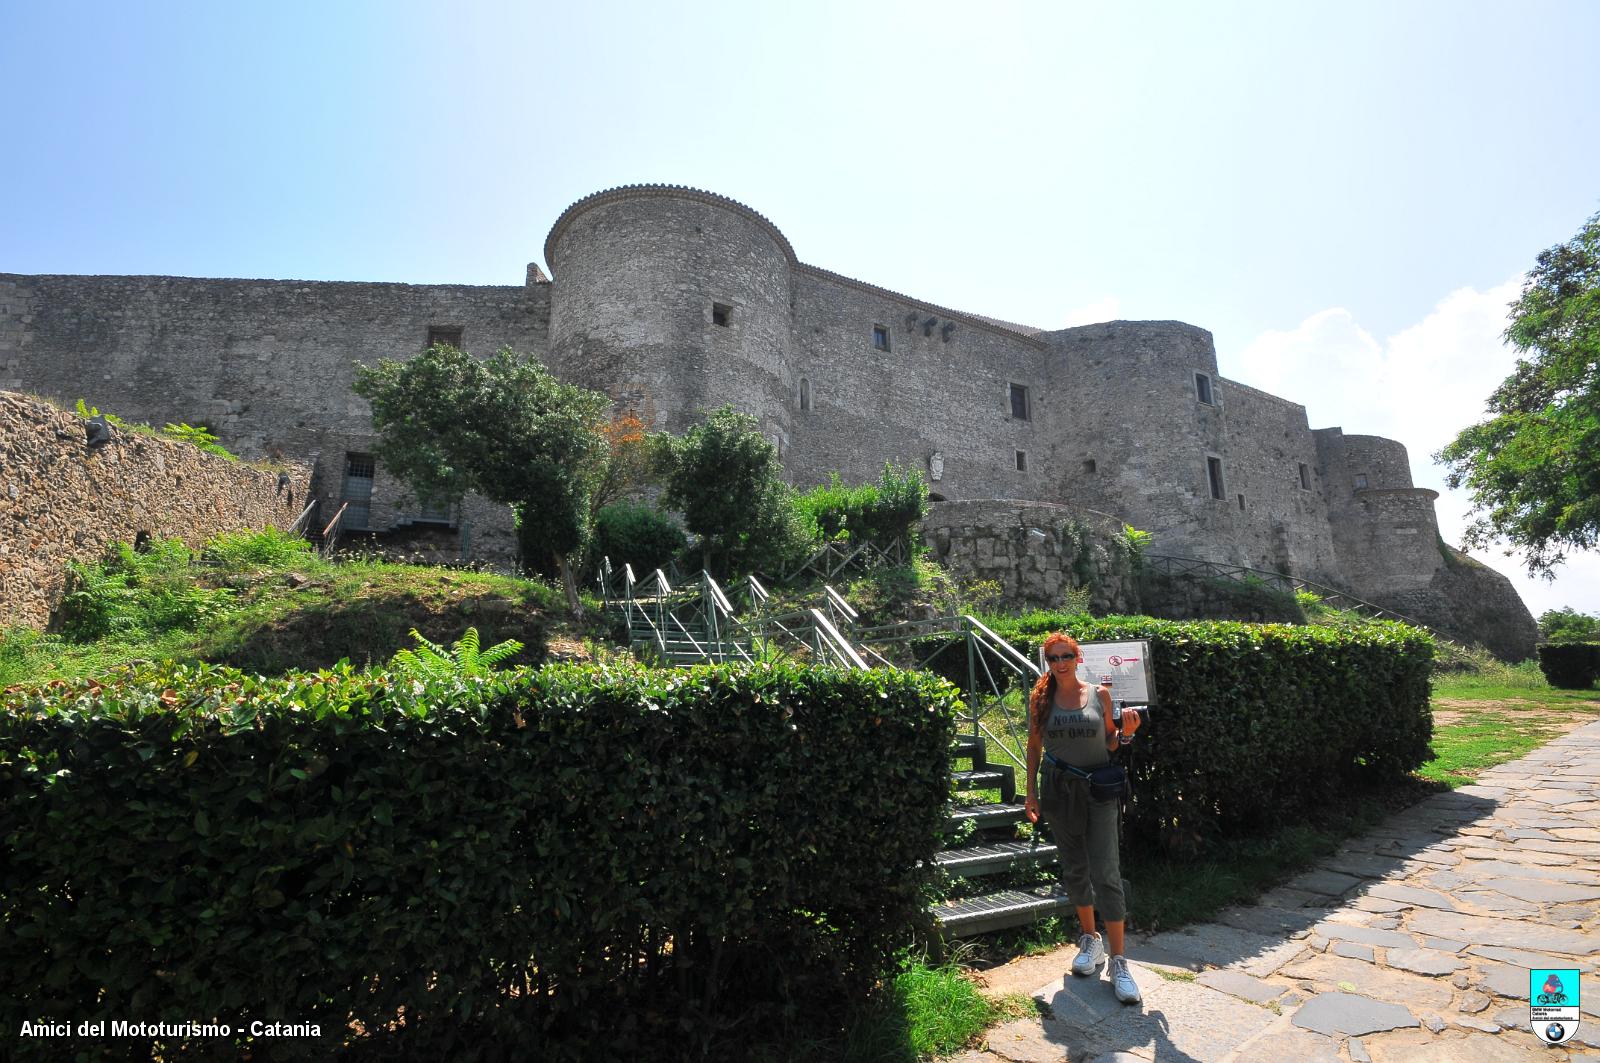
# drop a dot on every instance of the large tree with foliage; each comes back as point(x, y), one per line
point(1533, 467)
point(725, 479)
point(503, 427)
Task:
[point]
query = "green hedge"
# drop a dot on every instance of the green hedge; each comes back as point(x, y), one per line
point(1255, 723)
point(1571, 665)
point(562, 864)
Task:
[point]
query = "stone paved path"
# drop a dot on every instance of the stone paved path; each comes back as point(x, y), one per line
point(1412, 943)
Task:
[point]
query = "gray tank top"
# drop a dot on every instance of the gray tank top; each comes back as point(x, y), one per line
point(1078, 736)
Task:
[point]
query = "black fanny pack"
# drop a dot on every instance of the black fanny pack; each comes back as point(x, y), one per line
point(1109, 782)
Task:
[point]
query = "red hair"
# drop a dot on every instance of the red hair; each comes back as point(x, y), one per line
point(1044, 689)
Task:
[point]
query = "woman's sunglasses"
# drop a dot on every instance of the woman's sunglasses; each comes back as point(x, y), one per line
point(1053, 657)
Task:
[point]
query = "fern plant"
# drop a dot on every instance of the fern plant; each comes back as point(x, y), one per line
point(430, 661)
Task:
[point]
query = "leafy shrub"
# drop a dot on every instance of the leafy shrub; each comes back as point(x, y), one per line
point(1567, 625)
point(882, 514)
point(1570, 665)
point(270, 548)
point(1254, 723)
point(198, 436)
point(586, 863)
point(635, 534)
point(133, 593)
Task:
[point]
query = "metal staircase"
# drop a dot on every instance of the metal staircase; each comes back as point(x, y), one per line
point(696, 625)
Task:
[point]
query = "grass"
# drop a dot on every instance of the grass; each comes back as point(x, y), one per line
point(1497, 713)
point(267, 604)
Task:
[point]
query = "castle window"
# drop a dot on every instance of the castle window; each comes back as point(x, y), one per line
point(1361, 481)
point(721, 314)
point(449, 336)
point(1019, 402)
point(1202, 389)
point(1022, 461)
point(1214, 474)
point(1241, 503)
point(1305, 477)
point(1088, 467)
point(805, 394)
point(357, 493)
point(880, 337)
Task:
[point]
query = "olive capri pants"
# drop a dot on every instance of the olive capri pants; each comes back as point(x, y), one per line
point(1085, 832)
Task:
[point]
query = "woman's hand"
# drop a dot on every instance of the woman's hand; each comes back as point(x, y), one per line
point(1130, 722)
point(1030, 808)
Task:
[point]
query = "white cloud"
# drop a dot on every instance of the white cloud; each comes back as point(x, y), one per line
point(1420, 386)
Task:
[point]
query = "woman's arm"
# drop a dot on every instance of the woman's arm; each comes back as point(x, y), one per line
point(1113, 738)
point(1030, 804)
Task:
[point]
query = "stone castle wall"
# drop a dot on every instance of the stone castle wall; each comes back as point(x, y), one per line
point(61, 500)
point(675, 301)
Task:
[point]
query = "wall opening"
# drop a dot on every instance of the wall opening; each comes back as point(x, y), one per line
point(805, 394)
point(1361, 481)
point(1305, 477)
point(1022, 461)
point(448, 335)
point(1203, 390)
point(1088, 467)
point(356, 494)
point(1241, 503)
point(1019, 402)
point(1214, 474)
point(880, 337)
point(721, 314)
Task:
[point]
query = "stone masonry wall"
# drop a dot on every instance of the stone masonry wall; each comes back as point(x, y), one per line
point(62, 501)
point(1035, 551)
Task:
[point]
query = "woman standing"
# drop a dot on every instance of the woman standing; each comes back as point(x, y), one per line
point(1070, 728)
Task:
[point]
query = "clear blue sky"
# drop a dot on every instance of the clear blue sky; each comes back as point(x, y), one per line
point(1342, 186)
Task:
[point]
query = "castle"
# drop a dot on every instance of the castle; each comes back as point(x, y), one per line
point(674, 301)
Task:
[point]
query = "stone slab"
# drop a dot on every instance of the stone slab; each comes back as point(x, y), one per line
point(1442, 944)
point(1430, 962)
point(1510, 933)
point(1288, 1042)
point(1542, 892)
point(1527, 960)
point(1526, 856)
point(1347, 1014)
point(1326, 883)
point(1268, 921)
point(1353, 950)
point(1410, 896)
point(1237, 984)
point(1284, 897)
point(1225, 946)
point(1176, 1020)
point(1327, 972)
point(1362, 865)
point(1503, 980)
point(1366, 935)
point(1501, 868)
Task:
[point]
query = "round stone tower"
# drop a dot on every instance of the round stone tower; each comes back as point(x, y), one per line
point(1143, 430)
point(673, 301)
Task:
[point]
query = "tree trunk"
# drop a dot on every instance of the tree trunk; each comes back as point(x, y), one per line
point(569, 585)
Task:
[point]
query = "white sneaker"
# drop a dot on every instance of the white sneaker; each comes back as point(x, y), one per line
point(1122, 983)
point(1091, 954)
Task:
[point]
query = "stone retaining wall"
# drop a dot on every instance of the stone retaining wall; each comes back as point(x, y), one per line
point(61, 500)
point(1036, 551)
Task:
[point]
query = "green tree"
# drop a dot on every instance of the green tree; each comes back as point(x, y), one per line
point(725, 479)
point(503, 427)
point(1533, 467)
point(1568, 625)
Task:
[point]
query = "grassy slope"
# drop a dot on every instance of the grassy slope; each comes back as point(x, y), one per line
point(297, 612)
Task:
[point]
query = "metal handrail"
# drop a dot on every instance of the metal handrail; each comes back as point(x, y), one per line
point(303, 519)
point(330, 534)
point(830, 642)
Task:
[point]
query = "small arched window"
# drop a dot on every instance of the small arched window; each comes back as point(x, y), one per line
point(805, 394)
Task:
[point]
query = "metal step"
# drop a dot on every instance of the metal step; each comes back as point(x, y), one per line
point(989, 778)
point(969, 747)
point(996, 911)
point(975, 860)
point(984, 817)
